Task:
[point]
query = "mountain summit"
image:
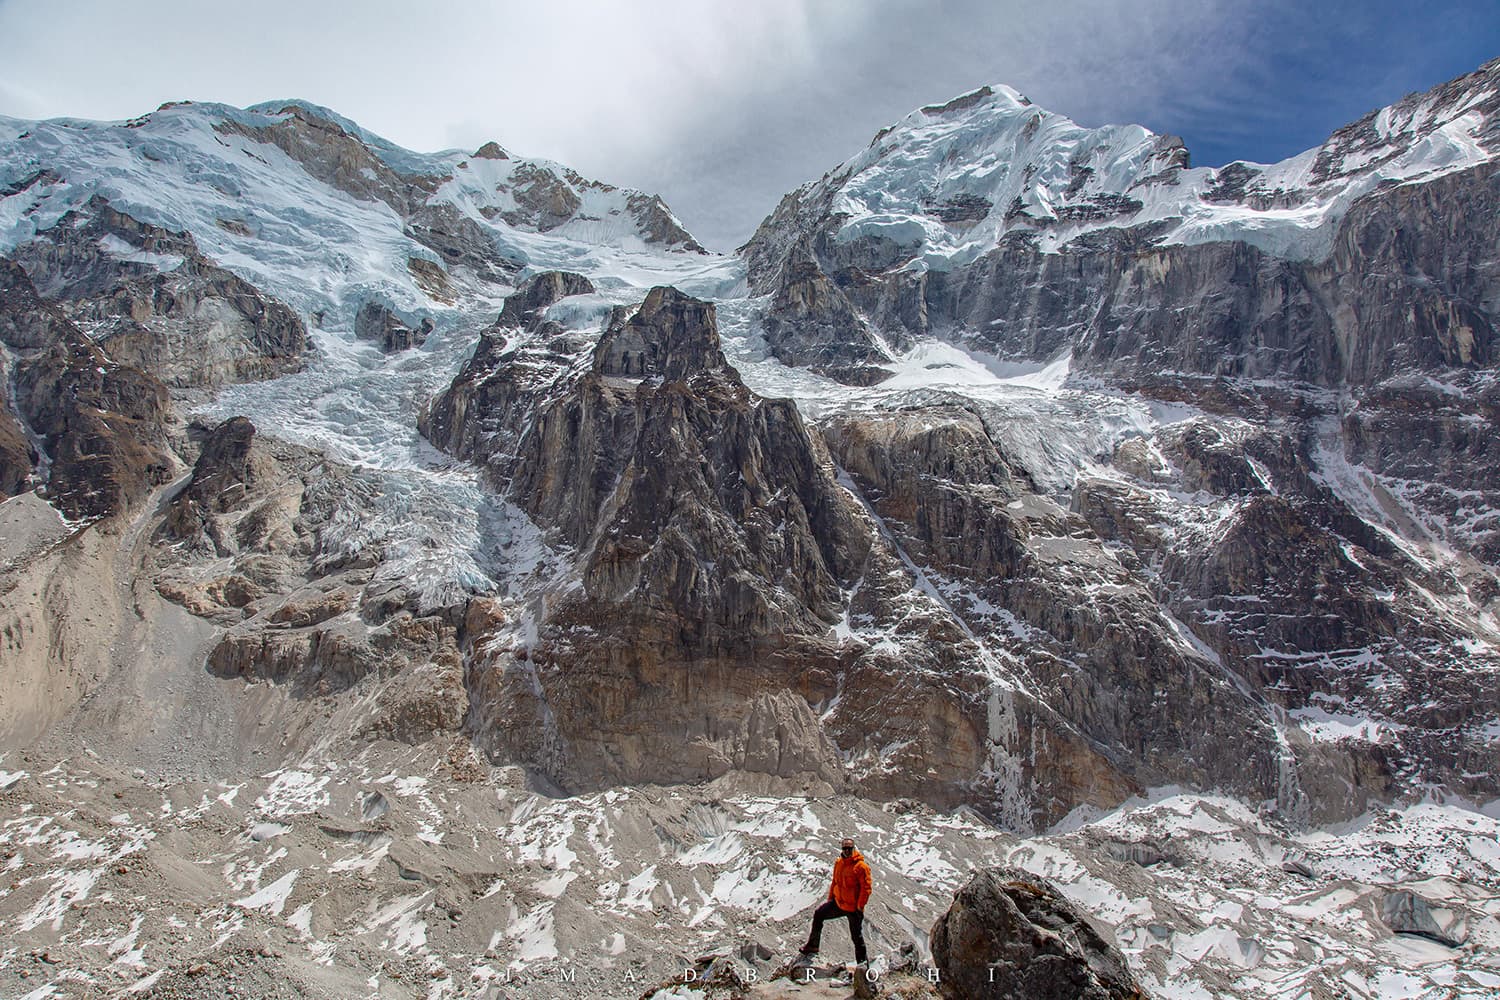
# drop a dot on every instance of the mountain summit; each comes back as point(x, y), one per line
point(948, 182)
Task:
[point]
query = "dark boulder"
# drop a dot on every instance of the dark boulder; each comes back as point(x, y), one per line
point(1012, 934)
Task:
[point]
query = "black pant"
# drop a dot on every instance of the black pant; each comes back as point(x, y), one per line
point(830, 911)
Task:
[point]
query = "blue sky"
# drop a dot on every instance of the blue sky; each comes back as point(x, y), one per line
point(724, 105)
point(1323, 66)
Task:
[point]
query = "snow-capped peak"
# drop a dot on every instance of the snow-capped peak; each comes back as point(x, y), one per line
point(948, 182)
point(990, 161)
point(321, 212)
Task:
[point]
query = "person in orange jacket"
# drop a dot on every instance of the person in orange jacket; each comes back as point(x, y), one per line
point(847, 897)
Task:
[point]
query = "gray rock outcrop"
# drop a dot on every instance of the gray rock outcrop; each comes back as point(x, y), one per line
point(327, 150)
point(222, 478)
point(813, 324)
point(671, 484)
point(1114, 670)
point(17, 455)
point(538, 292)
point(298, 603)
point(376, 321)
point(466, 419)
point(658, 225)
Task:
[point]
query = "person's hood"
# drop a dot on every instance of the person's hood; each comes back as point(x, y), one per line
point(853, 856)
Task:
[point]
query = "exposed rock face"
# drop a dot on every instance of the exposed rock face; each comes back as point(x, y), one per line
point(1338, 617)
point(152, 301)
point(329, 151)
point(711, 546)
point(1113, 671)
point(461, 242)
point(659, 225)
point(222, 478)
point(432, 279)
point(17, 457)
point(85, 415)
point(671, 482)
point(1379, 306)
point(543, 199)
point(540, 291)
point(25, 323)
point(1010, 933)
point(1417, 431)
point(377, 322)
point(664, 339)
point(101, 424)
point(812, 323)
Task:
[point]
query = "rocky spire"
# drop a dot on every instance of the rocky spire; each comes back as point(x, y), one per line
point(672, 336)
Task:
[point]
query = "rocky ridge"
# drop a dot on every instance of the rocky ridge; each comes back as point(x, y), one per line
point(523, 193)
point(721, 548)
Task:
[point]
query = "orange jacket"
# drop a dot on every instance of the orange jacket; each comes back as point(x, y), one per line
point(851, 882)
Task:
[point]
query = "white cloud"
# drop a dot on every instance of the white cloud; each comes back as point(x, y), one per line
point(18, 101)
